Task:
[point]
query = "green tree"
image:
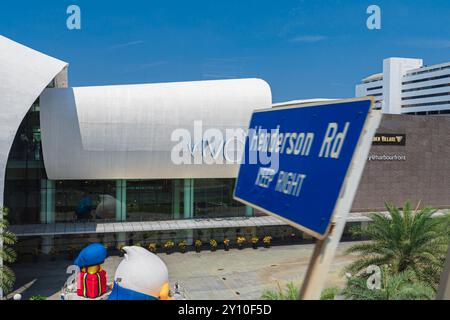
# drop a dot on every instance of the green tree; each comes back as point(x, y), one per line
point(7, 254)
point(393, 286)
point(408, 240)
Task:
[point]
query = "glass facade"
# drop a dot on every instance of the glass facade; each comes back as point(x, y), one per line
point(145, 200)
point(77, 200)
point(214, 198)
point(152, 200)
point(25, 171)
point(32, 198)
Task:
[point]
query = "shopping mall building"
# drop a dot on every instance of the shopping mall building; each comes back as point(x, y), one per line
point(136, 163)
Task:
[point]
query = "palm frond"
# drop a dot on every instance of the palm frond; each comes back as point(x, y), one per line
point(7, 279)
point(9, 238)
point(7, 254)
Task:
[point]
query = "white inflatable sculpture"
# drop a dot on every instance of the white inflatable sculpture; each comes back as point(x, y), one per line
point(141, 275)
point(106, 209)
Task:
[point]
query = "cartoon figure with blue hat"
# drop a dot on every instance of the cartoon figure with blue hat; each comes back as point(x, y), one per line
point(141, 275)
point(91, 282)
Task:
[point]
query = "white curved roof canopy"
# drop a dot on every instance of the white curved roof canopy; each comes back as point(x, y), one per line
point(124, 132)
point(24, 73)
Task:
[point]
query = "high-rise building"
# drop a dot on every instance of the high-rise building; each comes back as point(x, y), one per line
point(406, 86)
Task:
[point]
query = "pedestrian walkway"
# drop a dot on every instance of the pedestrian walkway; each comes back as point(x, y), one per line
point(141, 226)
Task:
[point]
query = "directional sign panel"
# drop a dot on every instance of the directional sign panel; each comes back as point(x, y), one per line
point(297, 159)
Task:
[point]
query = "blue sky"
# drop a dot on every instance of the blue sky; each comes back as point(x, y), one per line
point(304, 49)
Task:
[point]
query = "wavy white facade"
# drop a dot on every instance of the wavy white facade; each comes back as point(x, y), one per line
point(24, 74)
point(127, 132)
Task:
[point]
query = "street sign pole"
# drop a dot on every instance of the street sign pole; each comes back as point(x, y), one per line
point(325, 250)
point(1, 248)
point(444, 286)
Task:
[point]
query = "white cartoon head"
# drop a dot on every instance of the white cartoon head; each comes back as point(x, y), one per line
point(143, 272)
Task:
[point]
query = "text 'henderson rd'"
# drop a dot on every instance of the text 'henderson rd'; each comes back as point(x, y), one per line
point(303, 157)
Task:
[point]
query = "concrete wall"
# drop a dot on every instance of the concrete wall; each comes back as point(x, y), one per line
point(423, 176)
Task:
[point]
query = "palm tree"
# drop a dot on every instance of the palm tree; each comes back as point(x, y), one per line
point(410, 240)
point(394, 286)
point(7, 254)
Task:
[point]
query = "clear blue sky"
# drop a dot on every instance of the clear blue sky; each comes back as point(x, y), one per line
point(304, 49)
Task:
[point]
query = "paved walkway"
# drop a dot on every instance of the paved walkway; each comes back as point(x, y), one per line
point(236, 274)
point(246, 274)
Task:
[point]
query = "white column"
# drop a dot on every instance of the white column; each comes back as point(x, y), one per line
point(176, 199)
point(121, 200)
point(393, 71)
point(121, 239)
point(47, 211)
point(47, 201)
point(121, 209)
point(189, 206)
point(188, 198)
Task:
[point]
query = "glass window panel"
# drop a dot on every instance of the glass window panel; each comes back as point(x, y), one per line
point(84, 200)
point(149, 200)
point(213, 198)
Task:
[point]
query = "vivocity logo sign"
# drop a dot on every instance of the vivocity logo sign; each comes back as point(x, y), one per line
point(226, 146)
point(265, 146)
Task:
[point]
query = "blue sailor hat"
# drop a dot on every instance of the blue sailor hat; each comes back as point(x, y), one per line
point(91, 255)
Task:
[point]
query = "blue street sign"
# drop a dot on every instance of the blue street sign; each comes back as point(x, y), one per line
point(297, 158)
